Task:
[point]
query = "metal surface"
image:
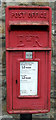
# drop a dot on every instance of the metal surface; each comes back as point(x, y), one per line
point(28, 29)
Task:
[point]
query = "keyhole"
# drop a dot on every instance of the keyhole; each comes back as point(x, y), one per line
point(16, 81)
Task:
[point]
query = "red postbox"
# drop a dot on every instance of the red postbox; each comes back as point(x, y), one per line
point(28, 59)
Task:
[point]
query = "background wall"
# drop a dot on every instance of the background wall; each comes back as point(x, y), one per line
point(5, 3)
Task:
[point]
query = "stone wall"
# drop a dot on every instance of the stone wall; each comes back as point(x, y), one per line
point(3, 59)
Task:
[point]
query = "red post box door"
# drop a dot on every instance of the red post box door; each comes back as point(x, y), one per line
point(31, 94)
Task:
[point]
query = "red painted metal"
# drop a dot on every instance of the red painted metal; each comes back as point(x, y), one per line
point(28, 28)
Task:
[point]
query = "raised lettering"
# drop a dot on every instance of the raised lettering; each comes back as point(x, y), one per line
point(12, 14)
point(20, 41)
point(45, 14)
point(29, 14)
point(41, 15)
point(36, 42)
